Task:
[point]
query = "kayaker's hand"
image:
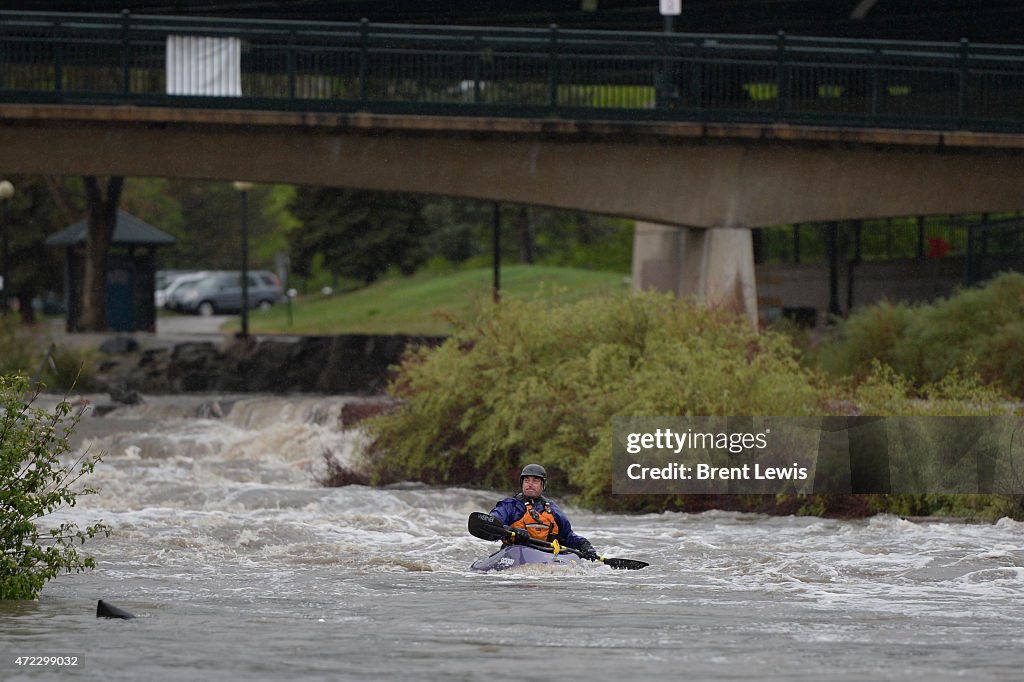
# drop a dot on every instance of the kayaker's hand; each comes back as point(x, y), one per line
point(587, 551)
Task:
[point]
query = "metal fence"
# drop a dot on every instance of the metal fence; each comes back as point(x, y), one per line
point(980, 237)
point(993, 248)
point(343, 67)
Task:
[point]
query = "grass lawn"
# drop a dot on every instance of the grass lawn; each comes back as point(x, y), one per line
point(424, 303)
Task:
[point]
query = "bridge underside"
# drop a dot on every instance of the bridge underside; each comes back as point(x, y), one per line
point(671, 174)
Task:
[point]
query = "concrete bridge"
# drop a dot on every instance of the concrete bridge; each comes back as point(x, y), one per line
point(699, 138)
point(696, 189)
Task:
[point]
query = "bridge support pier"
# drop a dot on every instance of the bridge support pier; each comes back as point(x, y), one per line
point(715, 266)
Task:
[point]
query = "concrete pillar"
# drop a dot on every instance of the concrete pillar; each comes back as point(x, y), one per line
point(657, 250)
point(714, 265)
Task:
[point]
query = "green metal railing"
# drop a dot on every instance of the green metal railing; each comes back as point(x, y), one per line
point(387, 68)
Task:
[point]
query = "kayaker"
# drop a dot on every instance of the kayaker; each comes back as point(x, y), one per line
point(539, 516)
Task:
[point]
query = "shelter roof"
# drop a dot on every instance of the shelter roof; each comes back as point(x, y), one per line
point(128, 230)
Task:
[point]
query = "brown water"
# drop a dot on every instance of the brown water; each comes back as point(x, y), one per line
point(240, 566)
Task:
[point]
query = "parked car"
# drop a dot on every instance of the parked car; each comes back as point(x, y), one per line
point(222, 293)
point(177, 285)
point(162, 280)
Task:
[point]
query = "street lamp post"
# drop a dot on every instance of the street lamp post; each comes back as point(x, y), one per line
point(243, 189)
point(670, 9)
point(6, 192)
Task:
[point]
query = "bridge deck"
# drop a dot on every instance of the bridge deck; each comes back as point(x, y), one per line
point(664, 131)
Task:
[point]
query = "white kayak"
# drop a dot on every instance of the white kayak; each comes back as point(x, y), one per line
point(511, 556)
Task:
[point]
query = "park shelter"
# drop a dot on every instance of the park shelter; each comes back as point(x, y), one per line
point(131, 272)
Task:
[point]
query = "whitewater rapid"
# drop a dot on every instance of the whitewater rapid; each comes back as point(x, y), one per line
point(239, 563)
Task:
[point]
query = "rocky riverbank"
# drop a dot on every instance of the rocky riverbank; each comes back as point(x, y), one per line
point(353, 364)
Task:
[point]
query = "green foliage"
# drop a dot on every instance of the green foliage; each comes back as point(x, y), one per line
point(540, 381)
point(68, 368)
point(460, 229)
point(869, 335)
point(57, 368)
point(154, 200)
point(599, 244)
point(361, 234)
point(535, 381)
point(32, 215)
point(206, 219)
point(977, 331)
point(15, 354)
point(35, 483)
point(987, 508)
point(883, 392)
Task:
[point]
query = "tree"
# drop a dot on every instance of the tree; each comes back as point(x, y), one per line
point(460, 229)
point(33, 484)
point(360, 234)
point(36, 211)
point(101, 220)
point(204, 217)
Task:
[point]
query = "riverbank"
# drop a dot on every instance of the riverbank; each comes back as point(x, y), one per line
point(191, 354)
point(354, 364)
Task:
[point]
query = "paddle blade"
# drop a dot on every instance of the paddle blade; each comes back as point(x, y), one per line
point(105, 610)
point(626, 564)
point(486, 527)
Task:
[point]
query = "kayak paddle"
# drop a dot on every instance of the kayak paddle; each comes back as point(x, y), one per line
point(487, 527)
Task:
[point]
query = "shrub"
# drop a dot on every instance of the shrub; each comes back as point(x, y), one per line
point(14, 353)
point(35, 484)
point(58, 368)
point(68, 368)
point(977, 331)
point(868, 335)
point(535, 381)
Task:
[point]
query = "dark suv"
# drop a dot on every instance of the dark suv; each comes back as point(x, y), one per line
point(222, 293)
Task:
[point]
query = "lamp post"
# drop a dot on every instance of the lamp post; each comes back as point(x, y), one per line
point(6, 192)
point(670, 9)
point(243, 188)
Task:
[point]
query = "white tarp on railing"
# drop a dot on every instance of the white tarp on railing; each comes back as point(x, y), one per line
point(200, 65)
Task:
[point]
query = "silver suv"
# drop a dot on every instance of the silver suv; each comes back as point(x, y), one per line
point(222, 293)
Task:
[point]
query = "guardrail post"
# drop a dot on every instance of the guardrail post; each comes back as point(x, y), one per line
point(664, 79)
point(364, 59)
point(291, 65)
point(781, 91)
point(58, 59)
point(477, 67)
point(553, 69)
point(126, 48)
point(965, 75)
point(875, 102)
point(697, 75)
